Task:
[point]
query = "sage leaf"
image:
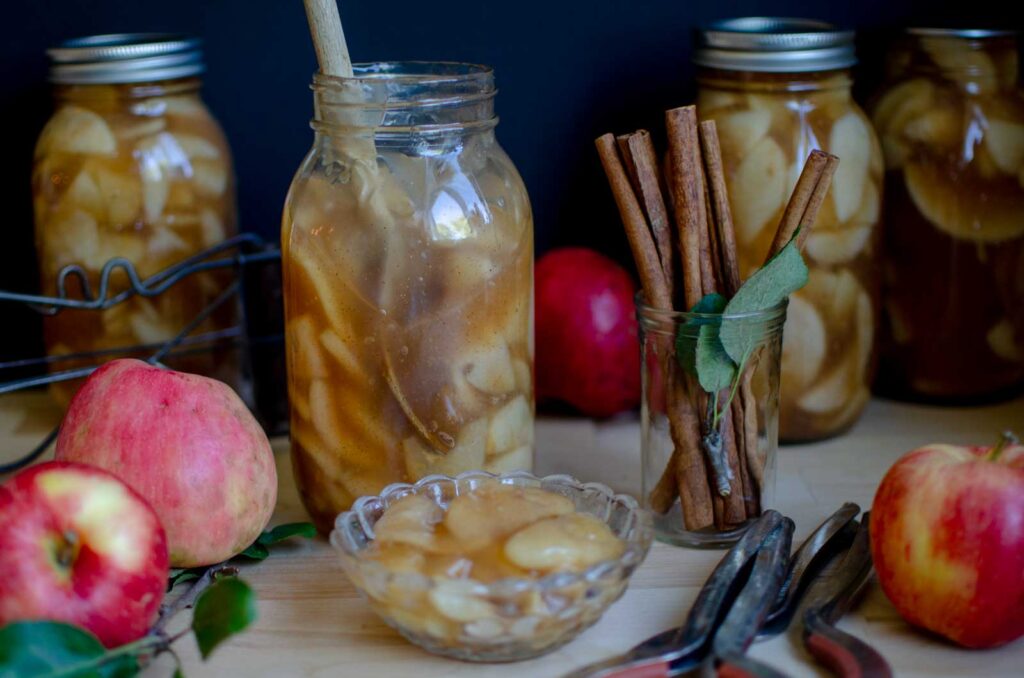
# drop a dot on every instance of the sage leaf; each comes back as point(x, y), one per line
point(286, 531)
point(715, 370)
point(782, 275)
point(44, 649)
point(224, 609)
point(687, 336)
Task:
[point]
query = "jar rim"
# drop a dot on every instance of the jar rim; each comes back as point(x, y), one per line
point(968, 33)
point(644, 310)
point(410, 72)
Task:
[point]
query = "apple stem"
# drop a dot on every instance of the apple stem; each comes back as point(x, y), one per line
point(1007, 438)
point(68, 548)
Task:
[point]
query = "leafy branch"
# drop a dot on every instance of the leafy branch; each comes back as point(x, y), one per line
point(224, 605)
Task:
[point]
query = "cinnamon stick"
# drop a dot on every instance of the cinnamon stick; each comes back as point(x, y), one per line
point(817, 198)
point(640, 242)
point(725, 229)
point(645, 162)
point(684, 428)
point(685, 181)
point(795, 213)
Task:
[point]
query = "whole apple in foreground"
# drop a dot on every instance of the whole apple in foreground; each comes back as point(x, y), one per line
point(186, 443)
point(947, 537)
point(77, 545)
point(588, 354)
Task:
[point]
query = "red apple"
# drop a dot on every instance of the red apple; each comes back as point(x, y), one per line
point(184, 442)
point(77, 545)
point(947, 536)
point(588, 354)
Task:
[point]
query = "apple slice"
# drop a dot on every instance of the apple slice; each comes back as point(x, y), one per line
point(488, 368)
point(163, 242)
point(839, 246)
point(966, 215)
point(73, 129)
point(461, 601)
point(212, 227)
point(895, 110)
point(963, 62)
point(938, 128)
point(760, 179)
point(341, 352)
point(307, 361)
point(468, 453)
point(510, 427)
point(572, 541)
point(493, 511)
point(121, 194)
point(83, 193)
point(196, 147)
point(1002, 342)
point(803, 347)
point(210, 177)
point(519, 459)
point(1005, 143)
point(850, 139)
point(742, 130)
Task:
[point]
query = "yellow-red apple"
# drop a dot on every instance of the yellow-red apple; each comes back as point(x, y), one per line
point(186, 443)
point(947, 536)
point(78, 545)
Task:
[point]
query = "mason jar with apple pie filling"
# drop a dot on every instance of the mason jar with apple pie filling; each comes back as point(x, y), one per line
point(778, 89)
point(951, 119)
point(407, 242)
point(132, 165)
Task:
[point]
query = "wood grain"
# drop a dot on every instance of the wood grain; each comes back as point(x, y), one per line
point(313, 623)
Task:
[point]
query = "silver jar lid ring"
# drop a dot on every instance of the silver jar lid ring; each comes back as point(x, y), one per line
point(125, 58)
point(774, 44)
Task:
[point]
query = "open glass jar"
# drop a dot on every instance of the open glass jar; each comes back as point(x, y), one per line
point(951, 118)
point(778, 89)
point(407, 242)
point(677, 477)
point(132, 164)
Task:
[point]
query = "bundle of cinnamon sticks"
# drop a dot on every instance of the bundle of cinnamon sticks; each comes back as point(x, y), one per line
point(685, 248)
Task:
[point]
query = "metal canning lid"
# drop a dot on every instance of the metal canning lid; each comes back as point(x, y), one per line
point(966, 33)
point(774, 45)
point(125, 58)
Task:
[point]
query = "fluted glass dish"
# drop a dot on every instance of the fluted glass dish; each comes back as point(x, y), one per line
point(506, 620)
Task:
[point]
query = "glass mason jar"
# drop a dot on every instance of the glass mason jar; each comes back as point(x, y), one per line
point(132, 164)
point(407, 242)
point(951, 118)
point(674, 418)
point(778, 89)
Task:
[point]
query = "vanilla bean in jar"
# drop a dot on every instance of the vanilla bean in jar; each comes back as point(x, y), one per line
point(951, 119)
point(779, 88)
point(407, 242)
point(132, 164)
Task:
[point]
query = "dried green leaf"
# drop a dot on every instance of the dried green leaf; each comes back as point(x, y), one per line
point(715, 370)
point(688, 334)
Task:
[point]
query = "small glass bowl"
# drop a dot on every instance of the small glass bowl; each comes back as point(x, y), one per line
point(506, 620)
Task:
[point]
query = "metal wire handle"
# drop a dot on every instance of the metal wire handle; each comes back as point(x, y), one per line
point(248, 249)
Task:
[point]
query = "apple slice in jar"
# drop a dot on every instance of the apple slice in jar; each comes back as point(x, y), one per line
point(307, 360)
point(519, 459)
point(511, 427)
point(1004, 141)
point(1001, 339)
point(850, 140)
point(987, 217)
point(900, 105)
point(962, 62)
point(831, 247)
point(468, 453)
point(741, 131)
point(573, 541)
point(758, 188)
point(803, 350)
point(73, 129)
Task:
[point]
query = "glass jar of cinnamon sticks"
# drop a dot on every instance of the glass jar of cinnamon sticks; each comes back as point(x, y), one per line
point(778, 88)
point(711, 341)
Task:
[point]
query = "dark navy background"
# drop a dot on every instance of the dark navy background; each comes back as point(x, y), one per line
point(567, 71)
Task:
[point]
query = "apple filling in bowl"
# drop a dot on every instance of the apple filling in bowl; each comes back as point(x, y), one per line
point(492, 568)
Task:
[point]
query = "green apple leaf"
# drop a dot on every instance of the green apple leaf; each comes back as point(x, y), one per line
point(782, 275)
point(183, 576)
point(44, 649)
point(227, 607)
point(286, 531)
point(256, 551)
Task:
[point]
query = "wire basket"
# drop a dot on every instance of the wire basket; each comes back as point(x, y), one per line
point(257, 336)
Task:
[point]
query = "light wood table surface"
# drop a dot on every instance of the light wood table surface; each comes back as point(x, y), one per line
point(313, 623)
